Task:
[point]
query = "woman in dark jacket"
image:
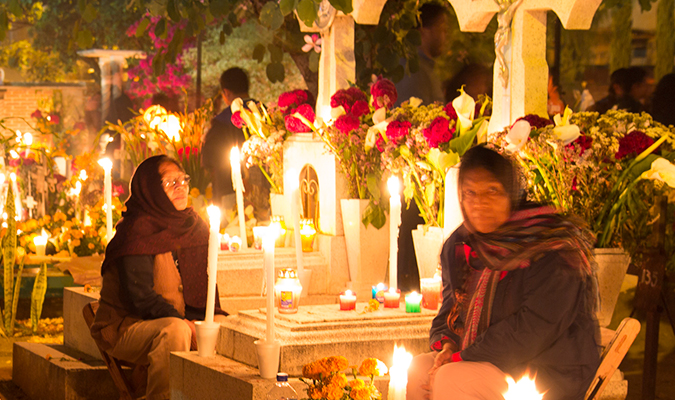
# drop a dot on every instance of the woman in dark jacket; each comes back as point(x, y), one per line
point(154, 274)
point(519, 295)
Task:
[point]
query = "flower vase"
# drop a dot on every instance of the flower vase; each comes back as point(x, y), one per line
point(428, 242)
point(207, 338)
point(367, 248)
point(268, 358)
point(612, 266)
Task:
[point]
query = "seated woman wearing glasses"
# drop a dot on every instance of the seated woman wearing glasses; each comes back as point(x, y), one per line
point(154, 274)
point(519, 295)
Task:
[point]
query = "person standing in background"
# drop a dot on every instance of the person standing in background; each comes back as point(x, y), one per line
point(222, 137)
point(426, 85)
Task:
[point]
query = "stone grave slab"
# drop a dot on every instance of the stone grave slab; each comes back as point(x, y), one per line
point(75, 331)
point(198, 378)
point(323, 330)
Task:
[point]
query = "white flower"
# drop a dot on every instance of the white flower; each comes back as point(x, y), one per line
point(415, 102)
point(336, 112)
point(236, 105)
point(465, 107)
point(518, 135)
point(374, 132)
point(564, 130)
point(312, 43)
point(661, 170)
point(380, 115)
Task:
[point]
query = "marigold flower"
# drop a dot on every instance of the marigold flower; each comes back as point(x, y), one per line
point(76, 242)
point(368, 367)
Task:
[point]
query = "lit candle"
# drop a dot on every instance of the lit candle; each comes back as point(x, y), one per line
point(238, 184)
point(394, 222)
point(268, 258)
point(378, 292)
point(524, 389)
point(288, 290)
point(398, 374)
point(107, 189)
point(392, 298)
point(452, 212)
point(224, 242)
point(258, 232)
point(28, 141)
point(40, 244)
point(347, 300)
point(307, 233)
point(296, 213)
point(212, 270)
point(431, 291)
point(412, 302)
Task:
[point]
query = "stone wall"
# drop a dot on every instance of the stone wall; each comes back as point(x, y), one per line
point(19, 100)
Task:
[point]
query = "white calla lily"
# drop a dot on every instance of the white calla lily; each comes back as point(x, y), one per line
point(661, 170)
point(236, 105)
point(337, 112)
point(465, 107)
point(374, 132)
point(379, 115)
point(564, 130)
point(415, 102)
point(518, 135)
point(481, 134)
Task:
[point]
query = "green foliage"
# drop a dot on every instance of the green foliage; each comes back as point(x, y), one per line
point(37, 297)
point(665, 38)
point(35, 65)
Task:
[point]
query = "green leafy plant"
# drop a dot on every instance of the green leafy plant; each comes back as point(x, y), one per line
point(11, 288)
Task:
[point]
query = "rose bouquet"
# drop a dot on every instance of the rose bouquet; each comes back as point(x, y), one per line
point(421, 142)
point(326, 381)
point(266, 129)
point(607, 169)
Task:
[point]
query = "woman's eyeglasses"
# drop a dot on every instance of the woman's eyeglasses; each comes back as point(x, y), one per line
point(177, 182)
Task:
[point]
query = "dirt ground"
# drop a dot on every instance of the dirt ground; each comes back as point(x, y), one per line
point(52, 332)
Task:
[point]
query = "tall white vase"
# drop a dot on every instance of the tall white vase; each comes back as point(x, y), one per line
point(612, 266)
point(367, 248)
point(428, 243)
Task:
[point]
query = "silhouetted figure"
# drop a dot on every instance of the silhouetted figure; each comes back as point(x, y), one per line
point(476, 79)
point(628, 89)
point(663, 101)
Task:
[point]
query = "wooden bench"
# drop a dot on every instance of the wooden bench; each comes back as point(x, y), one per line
point(128, 390)
point(612, 355)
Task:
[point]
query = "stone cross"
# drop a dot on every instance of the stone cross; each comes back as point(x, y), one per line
point(524, 87)
point(337, 65)
point(30, 204)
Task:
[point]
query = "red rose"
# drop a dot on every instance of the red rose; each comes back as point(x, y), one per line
point(384, 93)
point(583, 142)
point(292, 99)
point(237, 120)
point(438, 132)
point(348, 98)
point(450, 111)
point(536, 122)
point(36, 114)
point(54, 118)
point(398, 129)
point(360, 108)
point(296, 125)
point(633, 144)
point(347, 123)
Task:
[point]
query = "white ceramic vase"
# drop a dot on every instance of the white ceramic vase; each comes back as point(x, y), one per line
point(428, 242)
point(612, 266)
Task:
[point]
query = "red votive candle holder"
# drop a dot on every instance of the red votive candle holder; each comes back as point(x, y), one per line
point(347, 300)
point(392, 298)
point(431, 292)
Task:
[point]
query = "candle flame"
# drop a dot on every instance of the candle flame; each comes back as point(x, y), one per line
point(524, 389)
point(83, 175)
point(380, 286)
point(106, 163)
point(348, 292)
point(28, 138)
point(234, 156)
point(214, 216)
point(393, 185)
point(12, 177)
point(381, 368)
point(13, 154)
point(399, 369)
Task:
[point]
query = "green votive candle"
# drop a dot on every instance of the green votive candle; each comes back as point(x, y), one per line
point(413, 302)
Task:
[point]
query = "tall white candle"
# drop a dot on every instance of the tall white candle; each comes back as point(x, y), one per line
point(296, 211)
point(212, 269)
point(394, 222)
point(398, 374)
point(238, 184)
point(452, 217)
point(107, 189)
point(269, 239)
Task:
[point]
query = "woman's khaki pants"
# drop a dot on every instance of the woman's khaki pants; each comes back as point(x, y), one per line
point(149, 343)
point(464, 380)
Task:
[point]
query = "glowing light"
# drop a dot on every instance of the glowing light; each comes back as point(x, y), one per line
point(393, 185)
point(214, 216)
point(12, 176)
point(105, 163)
point(398, 373)
point(524, 389)
point(13, 154)
point(27, 138)
point(83, 175)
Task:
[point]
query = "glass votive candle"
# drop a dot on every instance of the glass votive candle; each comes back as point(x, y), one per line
point(258, 232)
point(347, 300)
point(307, 233)
point(392, 298)
point(378, 292)
point(287, 291)
point(224, 242)
point(40, 243)
point(431, 292)
point(278, 222)
point(413, 302)
point(235, 244)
